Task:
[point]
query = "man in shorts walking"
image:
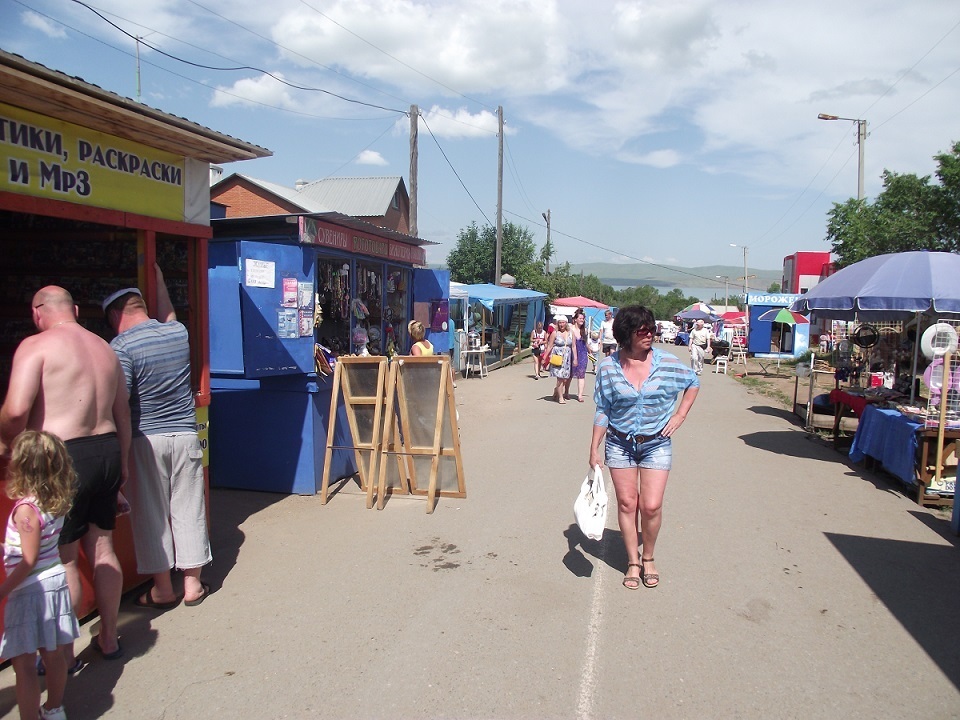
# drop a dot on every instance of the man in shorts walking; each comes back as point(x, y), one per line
point(166, 493)
point(66, 380)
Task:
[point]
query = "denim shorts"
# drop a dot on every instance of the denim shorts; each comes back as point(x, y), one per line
point(655, 454)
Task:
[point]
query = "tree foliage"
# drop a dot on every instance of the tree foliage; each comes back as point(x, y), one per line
point(910, 213)
point(473, 259)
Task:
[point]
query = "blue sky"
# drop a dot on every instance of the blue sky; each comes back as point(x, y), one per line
point(656, 130)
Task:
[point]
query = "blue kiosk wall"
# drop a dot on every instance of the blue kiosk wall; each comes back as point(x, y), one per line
point(268, 411)
point(762, 331)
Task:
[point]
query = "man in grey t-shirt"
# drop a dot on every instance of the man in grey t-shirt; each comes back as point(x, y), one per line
point(166, 491)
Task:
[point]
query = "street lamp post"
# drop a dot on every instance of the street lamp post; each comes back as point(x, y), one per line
point(726, 290)
point(861, 138)
point(745, 249)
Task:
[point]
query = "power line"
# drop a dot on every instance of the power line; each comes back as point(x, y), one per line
point(393, 57)
point(278, 78)
point(190, 79)
point(554, 231)
point(874, 129)
point(273, 42)
point(454, 170)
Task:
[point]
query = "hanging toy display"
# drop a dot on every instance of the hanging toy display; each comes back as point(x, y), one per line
point(360, 311)
point(373, 345)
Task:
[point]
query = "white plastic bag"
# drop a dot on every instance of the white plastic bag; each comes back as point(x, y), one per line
point(590, 508)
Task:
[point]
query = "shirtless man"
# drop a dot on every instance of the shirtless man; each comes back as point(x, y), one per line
point(66, 380)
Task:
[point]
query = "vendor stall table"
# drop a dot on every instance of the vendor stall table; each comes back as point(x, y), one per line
point(846, 405)
point(904, 448)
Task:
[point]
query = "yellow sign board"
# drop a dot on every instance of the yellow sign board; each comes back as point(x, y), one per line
point(50, 158)
point(203, 432)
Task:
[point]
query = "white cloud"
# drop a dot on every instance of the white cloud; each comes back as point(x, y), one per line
point(371, 157)
point(725, 88)
point(656, 158)
point(460, 123)
point(264, 90)
point(38, 22)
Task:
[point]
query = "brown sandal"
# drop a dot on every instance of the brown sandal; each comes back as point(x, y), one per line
point(650, 580)
point(632, 583)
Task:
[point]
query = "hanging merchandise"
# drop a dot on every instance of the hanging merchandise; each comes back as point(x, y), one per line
point(360, 311)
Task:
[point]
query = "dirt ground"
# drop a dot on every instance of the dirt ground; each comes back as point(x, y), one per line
point(779, 385)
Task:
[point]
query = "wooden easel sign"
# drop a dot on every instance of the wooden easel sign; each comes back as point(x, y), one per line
point(421, 430)
point(361, 382)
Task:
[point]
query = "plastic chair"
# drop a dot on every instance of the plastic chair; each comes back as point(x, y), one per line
point(721, 362)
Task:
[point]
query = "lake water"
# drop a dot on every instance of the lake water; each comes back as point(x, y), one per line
point(703, 294)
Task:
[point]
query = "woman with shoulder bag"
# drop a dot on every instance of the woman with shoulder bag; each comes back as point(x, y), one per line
point(560, 352)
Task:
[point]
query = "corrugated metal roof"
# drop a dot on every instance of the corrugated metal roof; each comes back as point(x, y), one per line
point(287, 193)
point(359, 197)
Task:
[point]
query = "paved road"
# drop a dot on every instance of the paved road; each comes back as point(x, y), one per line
point(793, 586)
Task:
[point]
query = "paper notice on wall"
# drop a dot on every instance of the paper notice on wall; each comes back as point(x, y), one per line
point(260, 273)
point(306, 295)
point(287, 327)
point(289, 292)
point(306, 322)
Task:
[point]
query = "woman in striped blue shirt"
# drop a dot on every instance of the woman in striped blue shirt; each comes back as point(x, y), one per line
point(636, 395)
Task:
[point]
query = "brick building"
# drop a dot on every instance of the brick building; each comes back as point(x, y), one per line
point(381, 201)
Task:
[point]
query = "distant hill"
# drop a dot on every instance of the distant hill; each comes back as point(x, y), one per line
point(667, 277)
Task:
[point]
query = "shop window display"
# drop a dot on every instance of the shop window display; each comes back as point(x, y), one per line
point(332, 317)
point(367, 309)
point(89, 260)
point(395, 311)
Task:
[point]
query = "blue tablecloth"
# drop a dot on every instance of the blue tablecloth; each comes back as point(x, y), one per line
point(889, 437)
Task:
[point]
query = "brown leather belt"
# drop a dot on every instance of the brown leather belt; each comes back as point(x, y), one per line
point(634, 438)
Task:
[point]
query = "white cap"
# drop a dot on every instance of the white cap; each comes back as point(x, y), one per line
point(120, 293)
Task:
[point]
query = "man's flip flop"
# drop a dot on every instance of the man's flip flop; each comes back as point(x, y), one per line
point(115, 655)
point(201, 598)
point(146, 601)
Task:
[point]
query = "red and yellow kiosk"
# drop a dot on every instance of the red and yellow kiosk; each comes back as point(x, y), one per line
point(94, 188)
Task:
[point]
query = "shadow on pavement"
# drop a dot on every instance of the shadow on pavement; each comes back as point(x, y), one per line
point(89, 693)
point(919, 584)
point(228, 511)
point(939, 524)
point(609, 550)
point(782, 442)
point(779, 412)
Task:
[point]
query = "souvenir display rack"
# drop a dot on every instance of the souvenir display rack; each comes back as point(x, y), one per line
point(87, 259)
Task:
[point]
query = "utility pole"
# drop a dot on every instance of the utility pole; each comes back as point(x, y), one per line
point(138, 68)
point(546, 216)
point(414, 156)
point(496, 279)
point(726, 291)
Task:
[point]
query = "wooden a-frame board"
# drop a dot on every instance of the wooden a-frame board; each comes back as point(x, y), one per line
point(361, 381)
point(421, 423)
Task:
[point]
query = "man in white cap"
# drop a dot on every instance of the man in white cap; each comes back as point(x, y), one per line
point(67, 381)
point(166, 493)
point(699, 345)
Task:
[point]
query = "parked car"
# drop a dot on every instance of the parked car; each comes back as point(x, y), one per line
point(668, 332)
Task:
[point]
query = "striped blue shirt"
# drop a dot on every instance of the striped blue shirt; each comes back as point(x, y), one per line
point(645, 412)
point(155, 358)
